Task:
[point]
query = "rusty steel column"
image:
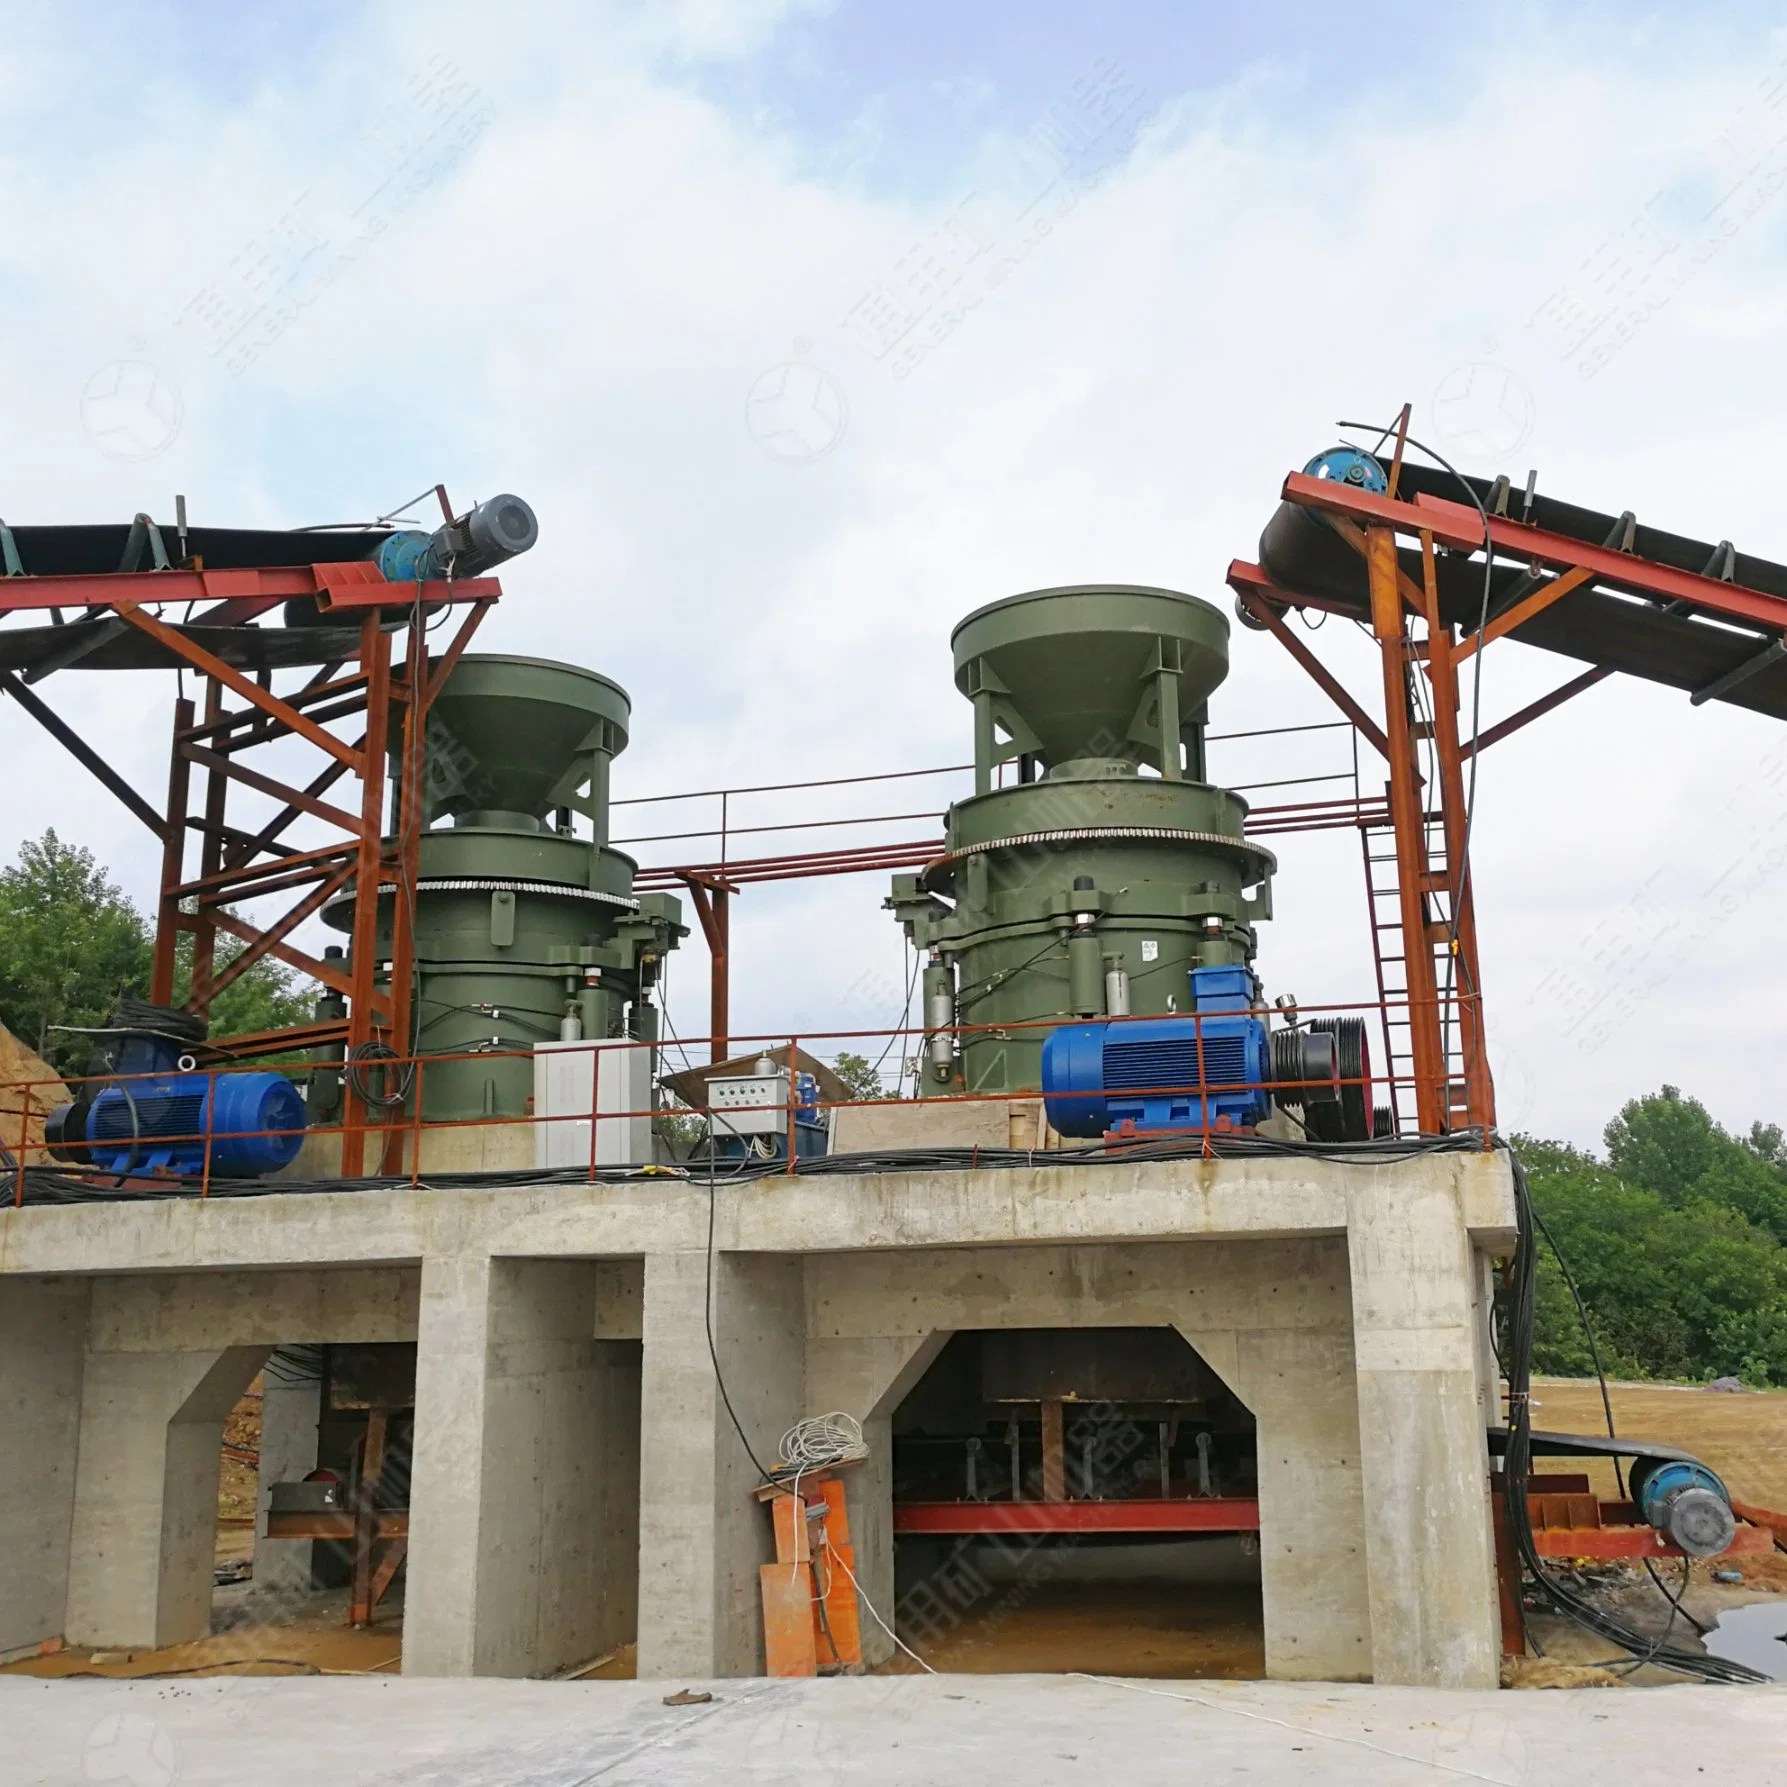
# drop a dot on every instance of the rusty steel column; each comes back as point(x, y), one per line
point(204, 930)
point(1442, 674)
point(375, 664)
point(710, 897)
point(173, 861)
point(402, 868)
point(1408, 818)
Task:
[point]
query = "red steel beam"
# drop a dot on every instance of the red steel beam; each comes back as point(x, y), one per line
point(1232, 1514)
point(1256, 604)
point(1460, 526)
point(335, 586)
point(1535, 710)
point(1635, 1541)
point(240, 772)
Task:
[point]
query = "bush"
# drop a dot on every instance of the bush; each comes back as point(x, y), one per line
point(1681, 1273)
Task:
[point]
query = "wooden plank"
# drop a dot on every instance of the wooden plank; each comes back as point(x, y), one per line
point(389, 1564)
point(1054, 1452)
point(372, 1467)
point(788, 1515)
point(789, 1645)
point(841, 1619)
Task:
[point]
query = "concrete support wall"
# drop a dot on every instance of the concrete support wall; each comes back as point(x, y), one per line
point(870, 1376)
point(523, 1499)
point(290, 1411)
point(702, 1534)
point(145, 1505)
point(530, 1303)
point(43, 1331)
point(1428, 1536)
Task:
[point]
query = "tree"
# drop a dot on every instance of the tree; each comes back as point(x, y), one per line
point(266, 996)
point(70, 943)
point(1671, 1145)
point(860, 1075)
point(1677, 1283)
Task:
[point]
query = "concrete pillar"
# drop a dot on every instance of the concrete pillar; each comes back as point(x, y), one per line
point(1314, 1602)
point(869, 1377)
point(43, 1333)
point(145, 1503)
point(1428, 1540)
point(523, 1497)
point(290, 1410)
point(703, 1534)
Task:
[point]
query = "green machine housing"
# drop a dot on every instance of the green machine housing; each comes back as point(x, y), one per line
point(524, 932)
point(1109, 868)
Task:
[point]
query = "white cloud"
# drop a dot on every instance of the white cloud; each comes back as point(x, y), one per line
point(578, 308)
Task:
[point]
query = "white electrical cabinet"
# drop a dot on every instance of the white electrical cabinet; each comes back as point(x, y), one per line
point(752, 1104)
point(577, 1081)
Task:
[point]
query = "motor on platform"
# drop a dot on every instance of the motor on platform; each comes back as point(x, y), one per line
point(1683, 1499)
point(1216, 1067)
point(158, 1115)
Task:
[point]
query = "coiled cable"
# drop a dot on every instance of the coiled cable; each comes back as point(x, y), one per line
point(821, 1441)
point(370, 1058)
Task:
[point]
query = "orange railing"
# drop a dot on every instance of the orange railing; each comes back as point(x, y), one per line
point(395, 1130)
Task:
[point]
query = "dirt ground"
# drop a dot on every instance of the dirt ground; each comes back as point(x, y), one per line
point(1132, 1629)
point(1166, 1630)
point(1742, 1436)
point(312, 1639)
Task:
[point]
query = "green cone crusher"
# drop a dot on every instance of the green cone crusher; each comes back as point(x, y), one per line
point(524, 932)
point(1109, 868)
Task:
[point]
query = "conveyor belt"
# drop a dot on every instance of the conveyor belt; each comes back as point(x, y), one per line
point(1589, 1445)
point(1674, 644)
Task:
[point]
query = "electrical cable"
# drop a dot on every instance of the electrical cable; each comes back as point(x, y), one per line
point(69, 1185)
point(1517, 1469)
point(1461, 869)
point(707, 1315)
point(396, 1082)
point(1470, 798)
point(1588, 1330)
point(1008, 974)
point(822, 1441)
point(863, 1597)
point(1619, 1476)
point(905, 1010)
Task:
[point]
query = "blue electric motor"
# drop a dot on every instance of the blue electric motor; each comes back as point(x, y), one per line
point(157, 1119)
point(1347, 465)
point(1683, 1499)
point(1152, 1073)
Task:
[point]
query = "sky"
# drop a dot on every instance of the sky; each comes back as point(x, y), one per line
point(807, 328)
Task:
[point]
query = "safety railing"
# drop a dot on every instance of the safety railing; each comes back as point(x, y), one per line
point(397, 1122)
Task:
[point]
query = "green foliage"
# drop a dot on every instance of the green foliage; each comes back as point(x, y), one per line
point(1672, 1243)
point(858, 1073)
point(266, 996)
point(1670, 1145)
point(70, 943)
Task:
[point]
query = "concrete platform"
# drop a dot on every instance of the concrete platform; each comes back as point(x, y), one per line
point(876, 1732)
point(577, 1481)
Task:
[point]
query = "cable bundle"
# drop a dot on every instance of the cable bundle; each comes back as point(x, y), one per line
point(1517, 1467)
point(821, 1441)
